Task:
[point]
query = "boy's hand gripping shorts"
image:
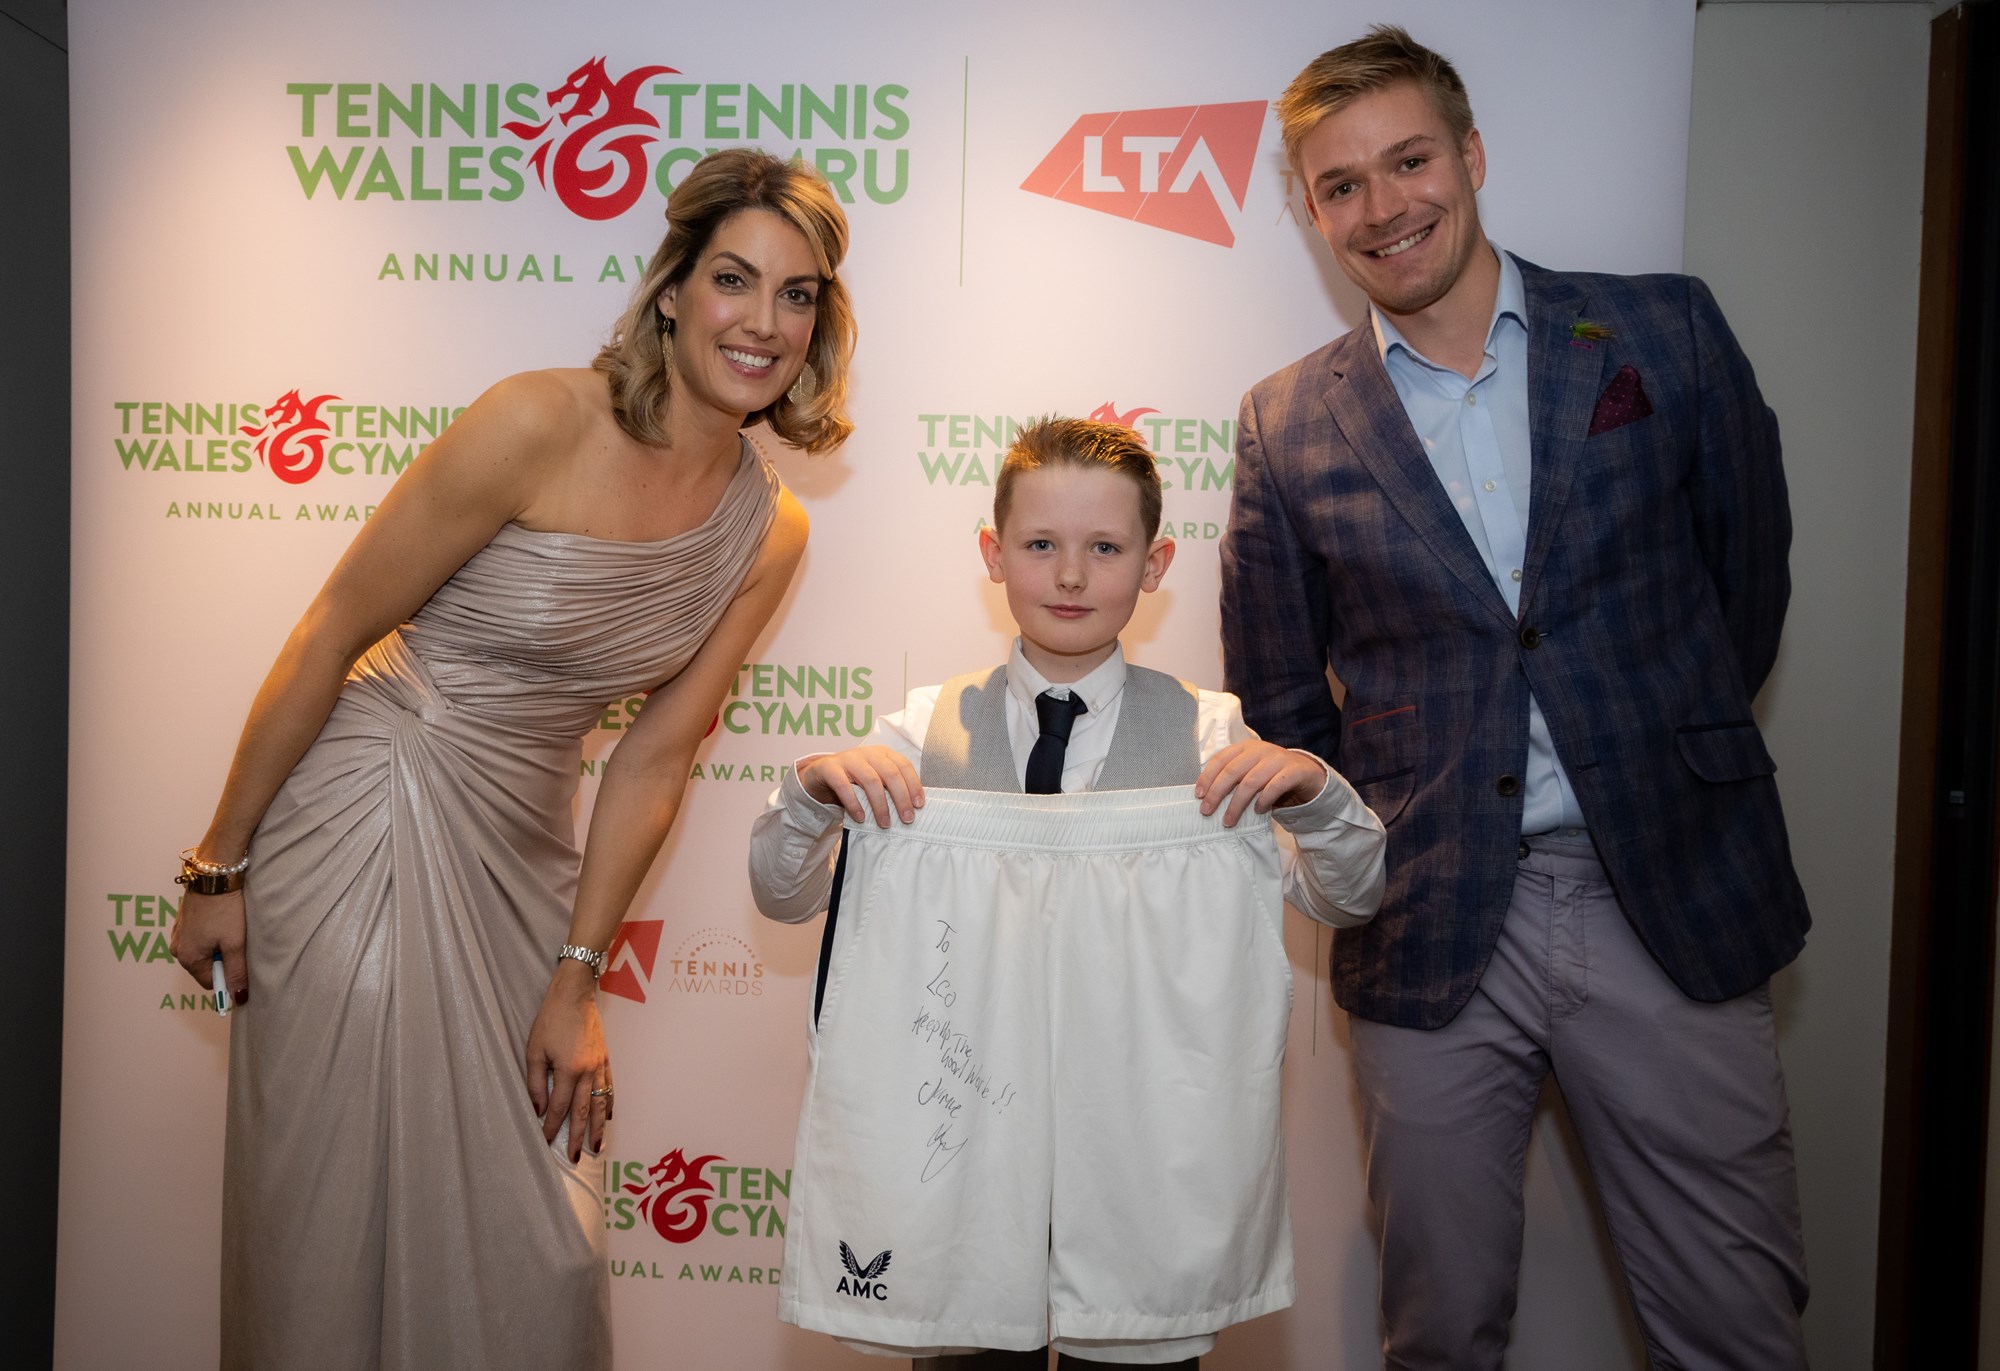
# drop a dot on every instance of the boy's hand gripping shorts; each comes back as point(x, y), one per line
point(1043, 1103)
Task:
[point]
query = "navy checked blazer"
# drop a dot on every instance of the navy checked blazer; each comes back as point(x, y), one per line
point(1651, 601)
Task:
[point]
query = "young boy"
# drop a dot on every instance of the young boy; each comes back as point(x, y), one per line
point(1099, 980)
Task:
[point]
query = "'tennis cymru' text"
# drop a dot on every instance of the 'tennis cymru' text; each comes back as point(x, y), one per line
point(746, 1198)
point(142, 927)
point(966, 449)
point(157, 435)
point(720, 114)
point(775, 699)
point(807, 701)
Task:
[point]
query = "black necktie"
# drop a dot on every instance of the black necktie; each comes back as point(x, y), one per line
point(1056, 713)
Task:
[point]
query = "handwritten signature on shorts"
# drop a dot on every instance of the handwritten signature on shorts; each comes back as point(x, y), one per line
point(943, 1153)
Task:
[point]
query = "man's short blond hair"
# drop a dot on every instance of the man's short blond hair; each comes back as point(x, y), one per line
point(1385, 56)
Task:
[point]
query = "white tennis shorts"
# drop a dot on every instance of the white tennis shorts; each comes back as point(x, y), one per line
point(1043, 1103)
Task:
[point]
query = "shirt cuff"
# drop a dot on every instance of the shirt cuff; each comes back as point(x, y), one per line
point(1337, 803)
point(801, 809)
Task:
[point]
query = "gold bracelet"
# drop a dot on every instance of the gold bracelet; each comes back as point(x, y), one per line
point(192, 860)
point(201, 882)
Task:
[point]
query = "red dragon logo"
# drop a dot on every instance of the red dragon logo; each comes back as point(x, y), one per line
point(596, 191)
point(292, 439)
point(675, 1196)
point(1107, 413)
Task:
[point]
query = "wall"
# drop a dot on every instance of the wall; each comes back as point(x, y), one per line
point(1805, 167)
point(999, 281)
point(34, 685)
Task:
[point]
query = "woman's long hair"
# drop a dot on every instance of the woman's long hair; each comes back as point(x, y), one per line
point(722, 184)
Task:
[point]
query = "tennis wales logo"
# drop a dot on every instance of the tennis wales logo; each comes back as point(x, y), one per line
point(292, 439)
point(1185, 170)
point(675, 1196)
point(1109, 413)
point(863, 1286)
point(613, 136)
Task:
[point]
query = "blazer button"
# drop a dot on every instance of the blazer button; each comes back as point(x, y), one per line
point(1508, 785)
point(1531, 637)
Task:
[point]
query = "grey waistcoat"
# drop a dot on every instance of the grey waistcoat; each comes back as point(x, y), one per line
point(966, 747)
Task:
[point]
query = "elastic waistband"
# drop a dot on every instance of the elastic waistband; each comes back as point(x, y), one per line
point(1093, 821)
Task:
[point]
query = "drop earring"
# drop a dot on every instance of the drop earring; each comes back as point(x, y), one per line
point(805, 387)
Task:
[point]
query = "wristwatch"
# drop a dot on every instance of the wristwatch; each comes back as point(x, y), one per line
point(588, 956)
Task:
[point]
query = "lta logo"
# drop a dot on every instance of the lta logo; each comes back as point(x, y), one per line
point(860, 1281)
point(1174, 169)
point(612, 135)
point(292, 439)
point(628, 962)
point(709, 961)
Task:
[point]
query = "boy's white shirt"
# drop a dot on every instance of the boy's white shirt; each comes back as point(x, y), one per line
point(1331, 846)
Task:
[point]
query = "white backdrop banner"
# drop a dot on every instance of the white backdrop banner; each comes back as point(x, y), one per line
point(307, 235)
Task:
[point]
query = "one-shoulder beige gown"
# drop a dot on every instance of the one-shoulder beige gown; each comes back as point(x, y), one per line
point(388, 1200)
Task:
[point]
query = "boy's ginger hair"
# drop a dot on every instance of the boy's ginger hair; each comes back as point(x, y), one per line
point(1082, 443)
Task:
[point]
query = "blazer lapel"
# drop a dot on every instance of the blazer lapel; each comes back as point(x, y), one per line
point(1371, 417)
point(1564, 382)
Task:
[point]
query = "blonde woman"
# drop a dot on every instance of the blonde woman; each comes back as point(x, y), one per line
point(391, 878)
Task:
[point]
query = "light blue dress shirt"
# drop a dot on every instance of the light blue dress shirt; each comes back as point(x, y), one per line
point(1476, 435)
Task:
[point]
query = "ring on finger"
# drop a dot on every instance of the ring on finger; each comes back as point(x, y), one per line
point(605, 1093)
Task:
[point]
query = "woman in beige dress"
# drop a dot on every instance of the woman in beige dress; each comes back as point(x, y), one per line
point(396, 892)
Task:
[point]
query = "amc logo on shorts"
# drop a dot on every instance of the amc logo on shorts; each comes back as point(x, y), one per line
point(862, 1280)
point(709, 961)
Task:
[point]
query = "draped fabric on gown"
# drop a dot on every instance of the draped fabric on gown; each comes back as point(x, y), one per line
point(388, 1199)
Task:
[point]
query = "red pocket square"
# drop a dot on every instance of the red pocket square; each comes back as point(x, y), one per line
point(1623, 401)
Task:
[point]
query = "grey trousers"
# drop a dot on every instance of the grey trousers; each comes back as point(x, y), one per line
point(1024, 1361)
point(1679, 1105)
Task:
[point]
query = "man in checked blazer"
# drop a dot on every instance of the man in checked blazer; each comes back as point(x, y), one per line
point(1535, 524)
